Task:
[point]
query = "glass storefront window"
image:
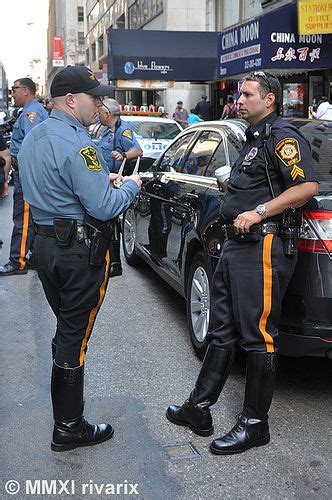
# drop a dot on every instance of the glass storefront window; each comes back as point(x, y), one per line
point(293, 100)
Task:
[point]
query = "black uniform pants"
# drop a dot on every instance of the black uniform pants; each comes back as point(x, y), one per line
point(23, 232)
point(75, 291)
point(248, 285)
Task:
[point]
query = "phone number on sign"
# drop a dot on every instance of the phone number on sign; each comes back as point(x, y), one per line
point(253, 63)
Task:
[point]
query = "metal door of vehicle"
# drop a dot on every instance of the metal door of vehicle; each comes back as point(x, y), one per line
point(183, 200)
point(153, 215)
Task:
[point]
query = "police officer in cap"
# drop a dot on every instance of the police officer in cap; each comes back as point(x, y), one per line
point(273, 173)
point(23, 91)
point(116, 143)
point(69, 189)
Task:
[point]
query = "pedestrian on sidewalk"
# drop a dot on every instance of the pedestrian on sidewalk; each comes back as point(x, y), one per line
point(204, 109)
point(324, 110)
point(193, 117)
point(180, 115)
point(230, 109)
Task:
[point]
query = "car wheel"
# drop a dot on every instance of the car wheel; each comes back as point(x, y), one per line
point(198, 302)
point(129, 237)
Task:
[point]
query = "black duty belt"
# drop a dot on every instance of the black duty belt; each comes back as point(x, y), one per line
point(262, 229)
point(81, 231)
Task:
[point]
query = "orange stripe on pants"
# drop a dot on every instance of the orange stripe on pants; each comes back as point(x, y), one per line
point(95, 310)
point(25, 229)
point(267, 291)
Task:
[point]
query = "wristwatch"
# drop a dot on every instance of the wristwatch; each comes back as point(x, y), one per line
point(261, 210)
point(124, 155)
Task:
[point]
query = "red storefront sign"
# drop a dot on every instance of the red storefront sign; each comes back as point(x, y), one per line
point(58, 57)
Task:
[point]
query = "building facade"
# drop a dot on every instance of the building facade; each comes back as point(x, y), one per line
point(65, 36)
point(263, 35)
point(3, 88)
point(164, 15)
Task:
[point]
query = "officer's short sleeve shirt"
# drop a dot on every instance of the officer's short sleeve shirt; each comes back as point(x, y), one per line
point(290, 163)
point(122, 140)
point(32, 114)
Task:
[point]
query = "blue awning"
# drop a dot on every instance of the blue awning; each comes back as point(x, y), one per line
point(162, 55)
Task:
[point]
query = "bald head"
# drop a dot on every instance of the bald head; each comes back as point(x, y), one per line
point(109, 112)
point(112, 106)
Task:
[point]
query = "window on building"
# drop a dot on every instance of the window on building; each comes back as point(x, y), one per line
point(142, 11)
point(121, 23)
point(80, 38)
point(80, 14)
point(100, 45)
point(93, 52)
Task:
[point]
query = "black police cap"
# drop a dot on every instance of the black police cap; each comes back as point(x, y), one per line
point(77, 79)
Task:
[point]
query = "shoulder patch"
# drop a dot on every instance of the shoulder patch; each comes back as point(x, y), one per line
point(90, 157)
point(288, 150)
point(128, 133)
point(31, 116)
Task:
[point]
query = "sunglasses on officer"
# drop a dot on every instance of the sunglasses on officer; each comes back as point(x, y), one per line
point(15, 87)
point(264, 77)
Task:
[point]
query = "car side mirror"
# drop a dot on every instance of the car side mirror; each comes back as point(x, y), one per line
point(222, 175)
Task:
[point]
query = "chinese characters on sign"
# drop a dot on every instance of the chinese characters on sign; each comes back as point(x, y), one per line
point(292, 54)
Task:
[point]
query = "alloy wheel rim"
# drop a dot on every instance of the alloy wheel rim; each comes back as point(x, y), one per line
point(129, 233)
point(200, 303)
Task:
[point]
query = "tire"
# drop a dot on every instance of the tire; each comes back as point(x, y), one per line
point(129, 238)
point(198, 303)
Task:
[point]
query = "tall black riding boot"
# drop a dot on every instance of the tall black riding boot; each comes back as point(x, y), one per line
point(195, 412)
point(252, 427)
point(71, 430)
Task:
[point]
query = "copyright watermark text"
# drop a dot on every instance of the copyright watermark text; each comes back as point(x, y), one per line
point(69, 487)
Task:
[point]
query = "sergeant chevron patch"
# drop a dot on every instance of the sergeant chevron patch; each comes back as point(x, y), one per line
point(297, 171)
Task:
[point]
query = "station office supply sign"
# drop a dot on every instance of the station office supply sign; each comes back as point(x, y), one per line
point(315, 17)
point(272, 42)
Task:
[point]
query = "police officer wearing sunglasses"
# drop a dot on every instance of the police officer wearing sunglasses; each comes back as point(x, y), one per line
point(32, 113)
point(273, 176)
point(69, 189)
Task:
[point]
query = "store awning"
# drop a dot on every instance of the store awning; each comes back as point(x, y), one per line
point(271, 41)
point(162, 55)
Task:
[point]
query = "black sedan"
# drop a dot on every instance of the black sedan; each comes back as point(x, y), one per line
point(174, 226)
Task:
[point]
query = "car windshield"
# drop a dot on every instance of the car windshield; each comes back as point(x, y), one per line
point(319, 134)
point(153, 130)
